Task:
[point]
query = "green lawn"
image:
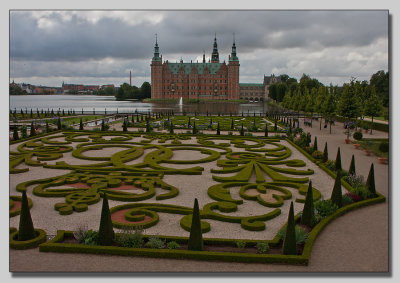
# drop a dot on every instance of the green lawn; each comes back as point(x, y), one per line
point(373, 146)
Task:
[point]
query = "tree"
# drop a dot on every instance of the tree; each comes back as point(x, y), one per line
point(26, 230)
point(232, 125)
point(106, 232)
point(380, 80)
point(329, 109)
point(336, 196)
point(103, 125)
point(325, 155)
point(371, 181)
point(352, 169)
point(194, 128)
point(307, 217)
point(59, 123)
point(196, 237)
point(373, 106)
point(145, 90)
point(266, 130)
point(338, 162)
point(15, 133)
point(80, 125)
point(315, 147)
point(124, 126)
point(289, 243)
point(218, 129)
point(171, 128)
point(242, 130)
point(349, 105)
point(33, 132)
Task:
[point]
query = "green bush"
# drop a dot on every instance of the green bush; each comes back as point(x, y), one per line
point(346, 200)
point(86, 237)
point(317, 154)
point(26, 230)
point(330, 165)
point(357, 136)
point(196, 236)
point(301, 234)
point(325, 208)
point(384, 147)
point(241, 244)
point(262, 247)
point(362, 191)
point(155, 243)
point(173, 245)
point(131, 238)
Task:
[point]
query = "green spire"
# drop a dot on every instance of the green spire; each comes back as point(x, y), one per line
point(156, 56)
point(233, 54)
point(215, 54)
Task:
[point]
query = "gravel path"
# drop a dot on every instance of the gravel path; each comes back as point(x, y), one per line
point(357, 242)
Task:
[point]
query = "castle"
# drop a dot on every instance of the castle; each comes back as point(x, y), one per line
point(204, 80)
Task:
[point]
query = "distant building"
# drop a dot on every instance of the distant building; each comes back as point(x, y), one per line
point(212, 80)
point(258, 92)
point(104, 86)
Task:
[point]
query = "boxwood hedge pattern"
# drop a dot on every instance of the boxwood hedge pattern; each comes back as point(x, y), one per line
point(240, 157)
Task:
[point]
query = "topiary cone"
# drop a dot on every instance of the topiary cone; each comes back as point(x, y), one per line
point(266, 130)
point(242, 130)
point(106, 232)
point(338, 162)
point(26, 230)
point(196, 237)
point(371, 181)
point(218, 129)
point(33, 132)
point(325, 155)
point(80, 125)
point(171, 128)
point(307, 218)
point(315, 147)
point(289, 243)
point(352, 169)
point(336, 195)
point(15, 133)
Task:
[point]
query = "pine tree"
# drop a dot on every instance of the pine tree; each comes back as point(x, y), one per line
point(275, 126)
point(106, 232)
point(218, 129)
point(289, 243)
point(196, 236)
point(338, 162)
point(26, 230)
point(336, 195)
point(266, 130)
point(352, 169)
point(325, 155)
point(15, 133)
point(33, 132)
point(189, 124)
point(315, 147)
point(307, 218)
point(371, 181)
point(147, 127)
point(80, 125)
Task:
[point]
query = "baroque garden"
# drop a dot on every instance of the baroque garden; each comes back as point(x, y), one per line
point(226, 188)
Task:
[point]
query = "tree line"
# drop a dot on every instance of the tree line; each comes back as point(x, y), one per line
point(351, 100)
point(126, 91)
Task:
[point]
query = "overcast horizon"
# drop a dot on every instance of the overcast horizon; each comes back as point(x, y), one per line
point(101, 47)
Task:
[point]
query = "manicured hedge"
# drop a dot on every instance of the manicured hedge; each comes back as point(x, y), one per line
point(22, 245)
point(18, 211)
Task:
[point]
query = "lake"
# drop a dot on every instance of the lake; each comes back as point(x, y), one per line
point(100, 104)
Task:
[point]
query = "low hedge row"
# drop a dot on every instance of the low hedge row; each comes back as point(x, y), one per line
point(35, 137)
point(23, 245)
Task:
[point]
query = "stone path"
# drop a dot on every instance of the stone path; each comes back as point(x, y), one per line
point(356, 242)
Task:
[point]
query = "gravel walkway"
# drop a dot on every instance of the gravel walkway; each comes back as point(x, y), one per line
point(357, 242)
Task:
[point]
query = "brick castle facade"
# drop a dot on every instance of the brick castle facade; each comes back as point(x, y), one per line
point(204, 80)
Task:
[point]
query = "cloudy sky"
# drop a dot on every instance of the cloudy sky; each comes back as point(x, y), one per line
point(101, 47)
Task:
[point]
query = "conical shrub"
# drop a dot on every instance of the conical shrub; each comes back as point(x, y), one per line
point(59, 123)
point(194, 128)
point(242, 130)
point(289, 243)
point(307, 217)
point(106, 232)
point(266, 130)
point(325, 155)
point(232, 125)
point(315, 147)
point(218, 129)
point(275, 126)
point(33, 132)
point(336, 196)
point(338, 162)
point(371, 181)
point(80, 125)
point(124, 127)
point(26, 231)
point(171, 128)
point(196, 237)
point(15, 133)
point(352, 169)
point(103, 125)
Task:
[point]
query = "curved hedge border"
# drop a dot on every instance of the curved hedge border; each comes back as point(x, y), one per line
point(23, 245)
point(18, 211)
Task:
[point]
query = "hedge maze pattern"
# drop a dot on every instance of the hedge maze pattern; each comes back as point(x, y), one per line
point(254, 165)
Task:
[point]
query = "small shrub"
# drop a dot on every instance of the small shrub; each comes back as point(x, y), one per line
point(131, 238)
point(362, 192)
point(330, 165)
point(230, 133)
point(346, 200)
point(262, 247)
point(357, 136)
point(317, 154)
point(85, 236)
point(325, 208)
point(173, 245)
point(355, 180)
point(301, 234)
point(384, 147)
point(241, 244)
point(155, 243)
point(80, 233)
point(23, 130)
point(354, 197)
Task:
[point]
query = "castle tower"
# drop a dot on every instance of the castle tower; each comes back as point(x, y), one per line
point(156, 73)
point(233, 73)
point(215, 54)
